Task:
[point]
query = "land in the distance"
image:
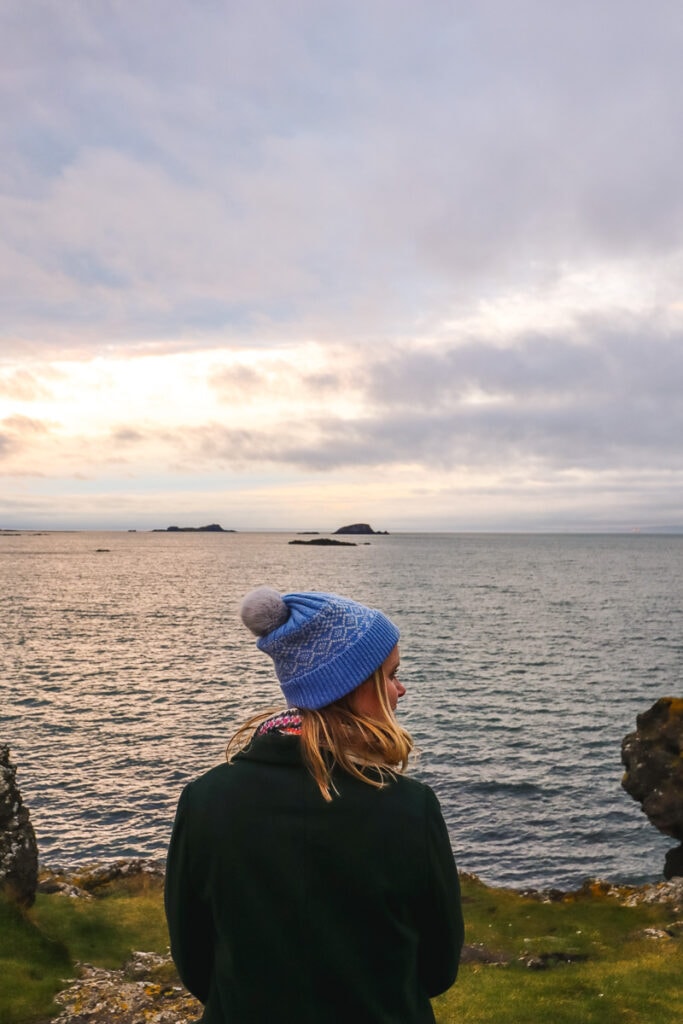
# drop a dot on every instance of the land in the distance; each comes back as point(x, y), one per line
point(211, 528)
point(361, 528)
point(327, 542)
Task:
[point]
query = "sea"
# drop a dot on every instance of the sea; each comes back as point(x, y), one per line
point(125, 669)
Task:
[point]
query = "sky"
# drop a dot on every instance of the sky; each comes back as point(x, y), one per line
point(293, 264)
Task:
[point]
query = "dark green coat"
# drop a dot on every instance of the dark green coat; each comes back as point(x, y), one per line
point(282, 907)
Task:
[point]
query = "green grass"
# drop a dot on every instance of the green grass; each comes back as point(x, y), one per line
point(601, 993)
point(39, 947)
point(31, 966)
point(615, 974)
point(126, 915)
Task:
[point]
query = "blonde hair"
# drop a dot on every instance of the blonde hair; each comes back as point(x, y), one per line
point(372, 750)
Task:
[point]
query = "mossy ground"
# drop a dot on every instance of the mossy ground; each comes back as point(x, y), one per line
point(39, 947)
point(594, 961)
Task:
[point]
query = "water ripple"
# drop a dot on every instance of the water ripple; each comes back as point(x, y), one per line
point(526, 661)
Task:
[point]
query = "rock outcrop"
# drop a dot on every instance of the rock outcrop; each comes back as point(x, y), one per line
point(146, 989)
point(653, 758)
point(360, 528)
point(211, 528)
point(18, 848)
point(97, 878)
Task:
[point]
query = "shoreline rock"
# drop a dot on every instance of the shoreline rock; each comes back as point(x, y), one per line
point(84, 882)
point(18, 847)
point(668, 891)
point(653, 759)
point(90, 878)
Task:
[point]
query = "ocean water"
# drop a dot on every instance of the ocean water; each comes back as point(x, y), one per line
point(526, 658)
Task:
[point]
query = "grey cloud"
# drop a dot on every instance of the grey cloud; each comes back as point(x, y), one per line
point(640, 363)
point(583, 438)
point(597, 400)
point(338, 168)
point(244, 382)
point(489, 440)
point(127, 435)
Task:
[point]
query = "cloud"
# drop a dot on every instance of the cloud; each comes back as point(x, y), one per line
point(7, 445)
point(601, 397)
point(126, 435)
point(16, 432)
point(627, 361)
point(283, 377)
point(23, 386)
point(433, 243)
point(24, 425)
point(328, 171)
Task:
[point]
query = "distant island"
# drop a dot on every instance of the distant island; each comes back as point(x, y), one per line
point(326, 542)
point(211, 528)
point(360, 528)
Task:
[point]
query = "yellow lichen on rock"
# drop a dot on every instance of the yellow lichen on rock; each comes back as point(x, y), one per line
point(126, 996)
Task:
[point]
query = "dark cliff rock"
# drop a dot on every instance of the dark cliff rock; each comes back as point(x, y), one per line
point(653, 758)
point(360, 528)
point(18, 848)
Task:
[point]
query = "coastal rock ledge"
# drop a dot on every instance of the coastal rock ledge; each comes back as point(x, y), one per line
point(147, 989)
point(653, 758)
point(18, 847)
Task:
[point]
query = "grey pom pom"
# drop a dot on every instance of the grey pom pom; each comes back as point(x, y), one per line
point(263, 610)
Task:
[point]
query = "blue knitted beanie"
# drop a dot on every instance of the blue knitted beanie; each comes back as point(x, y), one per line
point(323, 646)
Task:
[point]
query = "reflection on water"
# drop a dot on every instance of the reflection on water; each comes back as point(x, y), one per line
point(526, 659)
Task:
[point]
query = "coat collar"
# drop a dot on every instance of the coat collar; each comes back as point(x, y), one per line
point(272, 748)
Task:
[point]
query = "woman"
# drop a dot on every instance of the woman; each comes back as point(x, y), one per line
point(308, 880)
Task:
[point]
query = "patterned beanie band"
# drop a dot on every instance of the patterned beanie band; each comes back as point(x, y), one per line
point(323, 646)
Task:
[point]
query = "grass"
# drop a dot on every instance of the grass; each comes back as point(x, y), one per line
point(600, 967)
point(31, 966)
point(39, 947)
point(125, 915)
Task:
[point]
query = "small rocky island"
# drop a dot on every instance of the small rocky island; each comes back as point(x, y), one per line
point(211, 528)
point(327, 542)
point(363, 528)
